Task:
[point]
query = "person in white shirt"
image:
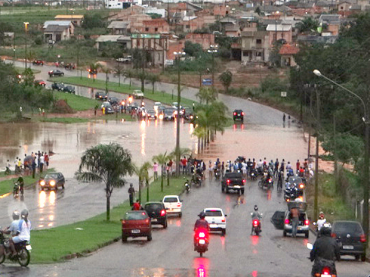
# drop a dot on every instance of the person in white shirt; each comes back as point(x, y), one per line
point(24, 229)
point(321, 221)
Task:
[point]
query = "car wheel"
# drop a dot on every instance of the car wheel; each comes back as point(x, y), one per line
point(307, 234)
point(357, 257)
point(180, 215)
point(63, 186)
point(56, 187)
point(242, 191)
point(222, 188)
point(165, 224)
point(62, 74)
point(227, 190)
point(363, 257)
point(223, 232)
point(124, 238)
point(149, 237)
point(284, 234)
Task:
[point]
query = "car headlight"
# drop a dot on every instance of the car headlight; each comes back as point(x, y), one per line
point(52, 183)
point(42, 183)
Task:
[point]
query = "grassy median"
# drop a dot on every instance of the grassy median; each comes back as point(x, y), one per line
point(76, 102)
point(163, 97)
point(57, 244)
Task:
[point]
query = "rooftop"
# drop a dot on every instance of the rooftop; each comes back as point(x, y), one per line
point(288, 49)
point(278, 28)
point(71, 16)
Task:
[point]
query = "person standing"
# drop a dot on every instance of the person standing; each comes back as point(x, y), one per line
point(155, 169)
point(46, 159)
point(131, 193)
point(295, 220)
point(41, 162)
point(284, 118)
point(298, 165)
point(33, 167)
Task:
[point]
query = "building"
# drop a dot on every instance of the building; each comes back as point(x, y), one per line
point(118, 27)
point(155, 26)
point(287, 52)
point(255, 46)
point(55, 31)
point(205, 40)
point(279, 32)
point(125, 41)
point(74, 18)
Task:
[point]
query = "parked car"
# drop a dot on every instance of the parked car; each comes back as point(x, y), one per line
point(216, 219)
point(57, 86)
point(92, 71)
point(157, 213)
point(238, 115)
point(136, 224)
point(137, 93)
point(101, 96)
point(38, 62)
point(69, 89)
point(52, 181)
point(173, 204)
point(114, 101)
point(350, 237)
point(282, 220)
point(39, 83)
point(168, 114)
point(108, 108)
point(55, 72)
point(127, 59)
point(151, 114)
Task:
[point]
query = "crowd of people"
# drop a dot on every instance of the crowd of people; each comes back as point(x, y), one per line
point(38, 161)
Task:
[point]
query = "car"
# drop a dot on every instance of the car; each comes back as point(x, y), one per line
point(136, 224)
point(298, 182)
point(173, 204)
point(40, 83)
point(238, 115)
point(138, 94)
point(350, 237)
point(188, 113)
point(282, 220)
point(216, 219)
point(57, 86)
point(233, 181)
point(157, 213)
point(156, 105)
point(151, 114)
point(114, 101)
point(101, 96)
point(52, 181)
point(127, 59)
point(69, 89)
point(38, 62)
point(169, 114)
point(92, 71)
point(108, 108)
point(55, 72)
point(132, 106)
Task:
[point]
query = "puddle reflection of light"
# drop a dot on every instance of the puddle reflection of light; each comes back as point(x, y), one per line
point(51, 217)
point(254, 273)
point(234, 127)
point(242, 127)
point(52, 197)
point(42, 199)
point(178, 223)
point(41, 225)
point(201, 265)
point(142, 144)
point(50, 224)
point(223, 242)
point(269, 194)
point(142, 125)
point(255, 240)
point(191, 128)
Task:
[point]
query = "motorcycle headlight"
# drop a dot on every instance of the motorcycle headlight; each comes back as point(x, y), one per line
point(52, 183)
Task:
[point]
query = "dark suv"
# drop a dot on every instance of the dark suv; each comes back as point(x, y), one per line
point(350, 237)
point(157, 213)
point(238, 115)
point(101, 96)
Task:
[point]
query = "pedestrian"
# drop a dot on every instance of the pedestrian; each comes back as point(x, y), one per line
point(155, 169)
point(183, 164)
point(33, 167)
point(137, 206)
point(41, 162)
point(283, 117)
point(131, 193)
point(298, 165)
point(46, 159)
point(295, 220)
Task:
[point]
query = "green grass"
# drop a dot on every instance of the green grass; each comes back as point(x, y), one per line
point(76, 102)
point(55, 244)
point(165, 98)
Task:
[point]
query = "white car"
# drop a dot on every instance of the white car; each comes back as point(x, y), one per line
point(216, 219)
point(156, 105)
point(138, 93)
point(173, 204)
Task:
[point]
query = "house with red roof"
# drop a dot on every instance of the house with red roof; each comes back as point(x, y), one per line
point(287, 52)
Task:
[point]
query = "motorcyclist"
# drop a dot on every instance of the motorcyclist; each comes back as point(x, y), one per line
point(12, 229)
point(256, 215)
point(24, 229)
point(324, 252)
point(200, 224)
point(321, 221)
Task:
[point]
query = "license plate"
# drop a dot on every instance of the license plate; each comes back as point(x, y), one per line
point(28, 247)
point(237, 187)
point(212, 225)
point(135, 231)
point(202, 241)
point(299, 228)
point(347, 246)
point(154, 220)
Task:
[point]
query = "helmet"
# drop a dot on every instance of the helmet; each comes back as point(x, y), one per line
point(202, 215)
point(24, 214)
point(255, 208)
point(326, 230)
point(15, 215)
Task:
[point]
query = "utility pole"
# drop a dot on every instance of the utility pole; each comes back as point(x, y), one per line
point(316, 212)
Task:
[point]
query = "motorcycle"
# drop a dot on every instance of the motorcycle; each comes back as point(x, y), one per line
point(323, 267)
point(187, 186)
point(217, 174)
point(23, 251)
point(7, 171)
point(256, 225)
point(196, 180)
point(201, 241)
point(16, 189)
point(253, 174)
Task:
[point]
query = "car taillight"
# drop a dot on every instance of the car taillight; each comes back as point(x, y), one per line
point(147, 220)
point(179, 205)
point(286, 221)
point(123, 222)
point(242, 113)
point(234, 113)
point(244, 181)
point(202, 235)
point(287, 200)
point(333, 235)
point(163, 212)
point(325, 271)
point(363, 238)
point(255, 223)
point(228, 181)
point(223, 220)
point(306, 222)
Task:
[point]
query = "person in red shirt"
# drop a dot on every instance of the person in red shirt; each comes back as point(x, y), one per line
point(298, 165)
point(183, 163)
point(137, 206)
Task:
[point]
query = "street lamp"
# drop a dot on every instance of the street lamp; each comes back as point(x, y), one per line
point(213, 49)
point(178, 56)
point(25, 49)
point(366, 182)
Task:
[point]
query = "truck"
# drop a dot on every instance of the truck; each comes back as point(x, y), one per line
point(233, 181)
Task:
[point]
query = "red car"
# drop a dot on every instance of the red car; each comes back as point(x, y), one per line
point(38, 62)
point(136, 224)
point(40, 83)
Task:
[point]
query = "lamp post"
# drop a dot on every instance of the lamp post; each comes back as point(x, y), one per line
point(178, 56)
point(366, 176)
point(25, 49)
point(213, 49)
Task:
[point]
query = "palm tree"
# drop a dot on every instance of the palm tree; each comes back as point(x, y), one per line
point(129, 74)
point(142, 75)
point(95, 67)
point(106, 70)
point(106, 163)
point(118, 71)
point(182, 152)
point(207, 95)
point(153, 78)
point(162, 160)
point(143, 174)
point(200, 133)
point(226, 78)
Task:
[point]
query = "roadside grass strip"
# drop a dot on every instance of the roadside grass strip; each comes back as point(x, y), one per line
point(77, 102)
point(78, 239)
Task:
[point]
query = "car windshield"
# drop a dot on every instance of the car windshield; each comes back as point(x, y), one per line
point(151, 112)
point(213, 213)
point(135, 216)
point(348, 227)
point(295, 180)
point(168, 111)
point(153, 206)
point(170, 199)
point(51, 176)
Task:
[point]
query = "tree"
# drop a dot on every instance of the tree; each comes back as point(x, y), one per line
point(128, 73)
point(143, 173)
point(162, 160)
point(118, 71)
point(226, 78)
point(308, 25)
point(106, 163)
point(28, 77)
point(206, 95)
point(106, 70)
point(93, 20)
point(142, 75)
point(95, 67)
point(153, 78)
point(193, 49)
